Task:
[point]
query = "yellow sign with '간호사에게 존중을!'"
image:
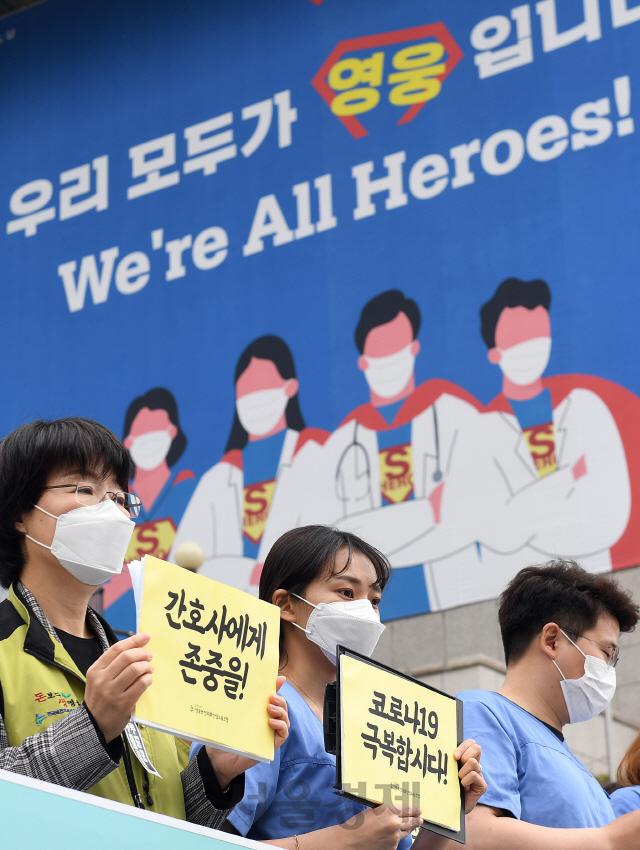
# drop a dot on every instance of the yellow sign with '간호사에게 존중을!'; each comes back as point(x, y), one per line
point(397, 739)
point(215, 659)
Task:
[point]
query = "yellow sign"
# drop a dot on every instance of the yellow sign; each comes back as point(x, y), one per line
point(398, 738)
point(215, 658)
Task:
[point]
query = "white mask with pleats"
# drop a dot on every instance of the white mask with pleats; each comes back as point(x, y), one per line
point(589, 695)
point(91, 541)
point(354, 624)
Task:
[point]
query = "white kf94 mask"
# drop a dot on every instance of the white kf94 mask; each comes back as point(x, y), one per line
point(525, 362)
point(91, 542)
point(260, 412)
point(352, 624)
point(388, 376)
point(149, 450)
point(589, 695)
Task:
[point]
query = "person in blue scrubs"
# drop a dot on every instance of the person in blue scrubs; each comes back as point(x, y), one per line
point(560, 628)
point(627, 798)
point(291, 802)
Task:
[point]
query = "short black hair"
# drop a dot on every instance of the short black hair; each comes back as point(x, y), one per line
point(302, 555)
point(561, 592)
point(268, 347)
point(158, 398)
point(33, 452)
point(512, 292)
point(383, 309)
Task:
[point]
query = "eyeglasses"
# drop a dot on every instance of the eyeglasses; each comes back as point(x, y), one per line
point(613, 653)
point(92, 494)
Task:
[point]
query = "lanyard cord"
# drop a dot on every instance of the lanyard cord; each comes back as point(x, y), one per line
point(137, 801)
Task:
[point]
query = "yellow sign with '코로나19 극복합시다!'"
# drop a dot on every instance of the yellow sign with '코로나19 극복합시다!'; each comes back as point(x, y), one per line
point(397, 741)
point(215, 658)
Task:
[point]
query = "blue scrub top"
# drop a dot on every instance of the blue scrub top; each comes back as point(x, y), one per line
point(529, 771)
point(172, 500)
point(294, 794)
point(625, 800)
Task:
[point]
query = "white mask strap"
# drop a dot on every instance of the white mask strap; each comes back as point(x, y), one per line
point(44, 545)
point(302, 629)
point(574, 644)
point(302, 599)
point(45, 512)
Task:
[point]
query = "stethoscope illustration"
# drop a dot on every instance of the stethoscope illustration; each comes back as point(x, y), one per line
point(354, 445)
point(362, 452)
point(437, 475)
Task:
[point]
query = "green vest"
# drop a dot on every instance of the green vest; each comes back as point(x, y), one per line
point(40, 684)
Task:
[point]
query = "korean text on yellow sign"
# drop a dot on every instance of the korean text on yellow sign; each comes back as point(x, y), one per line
point(398, 741)
point(215, 659)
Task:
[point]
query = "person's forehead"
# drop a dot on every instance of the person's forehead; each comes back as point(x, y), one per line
point(73, 476)
point(149, 420)
point(360, 567)
point(518, 324)
point(390, 337)
point(260, 374)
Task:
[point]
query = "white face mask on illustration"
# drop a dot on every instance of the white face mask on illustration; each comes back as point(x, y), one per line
point(149, 450)
point(589, 695)
point(353, 624)
point(388, 376)
point(524, 363)
point(91, 542)
point(261, 411)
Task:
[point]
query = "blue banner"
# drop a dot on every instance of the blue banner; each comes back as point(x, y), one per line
point(331, 261)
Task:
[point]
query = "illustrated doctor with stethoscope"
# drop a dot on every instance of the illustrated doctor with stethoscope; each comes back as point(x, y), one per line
point(545, 471)
point(384, 472)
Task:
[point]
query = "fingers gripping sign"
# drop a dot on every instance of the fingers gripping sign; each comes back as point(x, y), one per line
point(116, 682)
point(385, 826)
point(470, 773)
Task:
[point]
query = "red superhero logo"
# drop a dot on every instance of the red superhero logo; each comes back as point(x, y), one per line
point(396, 473)
point(257, 501)
point(407, 66)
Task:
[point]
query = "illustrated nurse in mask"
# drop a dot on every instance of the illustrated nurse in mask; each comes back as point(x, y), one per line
point(230, 508)
point(328, 585)
point(156, 442)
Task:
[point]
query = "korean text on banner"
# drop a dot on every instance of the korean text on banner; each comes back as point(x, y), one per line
point(215, 658)
point(398, 741)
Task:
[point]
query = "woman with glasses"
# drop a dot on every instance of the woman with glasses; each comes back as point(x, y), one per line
point(68, 686)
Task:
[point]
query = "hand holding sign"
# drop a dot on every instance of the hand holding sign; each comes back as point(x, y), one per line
point(470, 773)
point(398, 741)
point(116, 682)
point(216, 653)
point(228, 765)
point(383, 827)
